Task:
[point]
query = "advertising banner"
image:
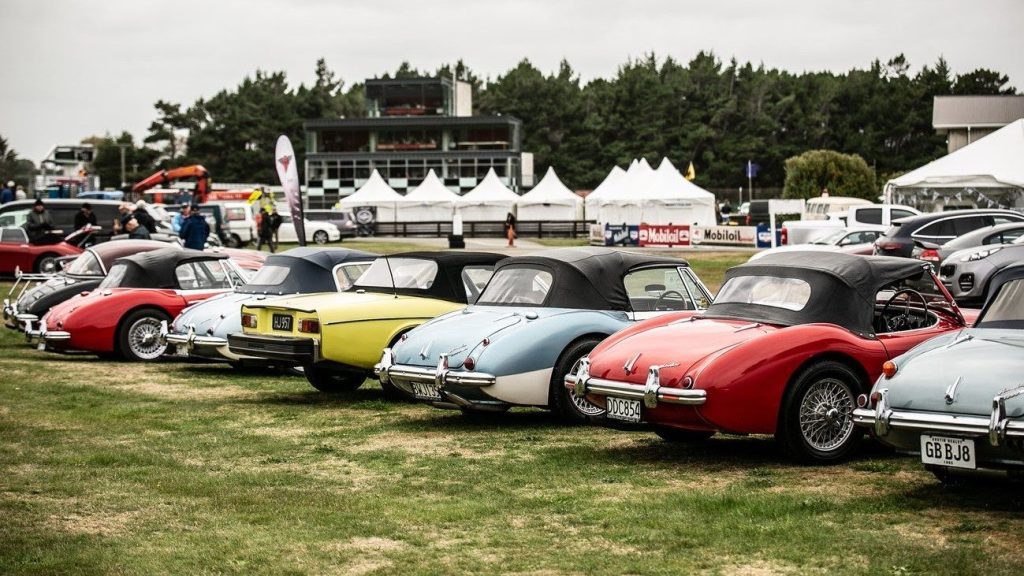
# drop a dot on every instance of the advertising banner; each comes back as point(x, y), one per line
point(670, 235)
point(724, 235)
point(621, 235)
point(289, 174)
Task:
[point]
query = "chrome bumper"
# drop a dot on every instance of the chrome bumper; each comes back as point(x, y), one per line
point(189, 339)
point(43, 335)
point(401, 375)
point(998, 427)
point(651, 392)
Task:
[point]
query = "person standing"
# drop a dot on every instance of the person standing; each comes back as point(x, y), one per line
point(39, 225)
point(85, 216)
point(266, 231)
point(510, 228)
point(124, 214)
point(141, 214)
point(7, 193)
point(180, 218)
point(195, 230)
point(275, 222)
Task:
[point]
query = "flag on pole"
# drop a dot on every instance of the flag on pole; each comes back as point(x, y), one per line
point(254, 197)
point(752, 169)
point(690, 172)
point(288, 173)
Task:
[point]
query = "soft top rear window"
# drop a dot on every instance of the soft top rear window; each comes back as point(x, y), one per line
point(517, 285)
point(1006, 310)
point(270, 276)
point(788, 293)
point(409, 273)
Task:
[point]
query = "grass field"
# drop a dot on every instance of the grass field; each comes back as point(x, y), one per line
point(177, 468)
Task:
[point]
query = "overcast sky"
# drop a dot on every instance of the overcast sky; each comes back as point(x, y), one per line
point(70, 69)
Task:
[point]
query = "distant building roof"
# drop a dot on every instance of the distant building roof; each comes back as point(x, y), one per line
point(951, 112)
point(410, 121)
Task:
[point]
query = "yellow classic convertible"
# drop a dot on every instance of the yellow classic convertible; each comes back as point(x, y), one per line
point(338, 337)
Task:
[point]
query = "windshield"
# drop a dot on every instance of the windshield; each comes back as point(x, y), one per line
point(788, 293)
point(408, 273)
point(114, 277)
point(87, 264)
point(517, 285)
point(14, 218)
point(1006, 310)
point(831, 238)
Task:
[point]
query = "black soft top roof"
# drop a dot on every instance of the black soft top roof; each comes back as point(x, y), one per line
point(156, 269)
point(448, 283)
point(843, 287)
point(1002, 276)
point(589, 278)
point(311, 270)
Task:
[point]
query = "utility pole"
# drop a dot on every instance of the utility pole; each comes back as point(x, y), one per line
point(124, 182)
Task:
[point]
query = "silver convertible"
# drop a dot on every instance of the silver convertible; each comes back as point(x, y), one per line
point(957, 400)
point(537, 316)
point(201, 330)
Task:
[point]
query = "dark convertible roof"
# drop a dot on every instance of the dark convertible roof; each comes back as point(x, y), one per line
point(1002, 276)
point(156, 269)
point(589, 278)
point(843, 287)
point(311, 270)
point(448, 283)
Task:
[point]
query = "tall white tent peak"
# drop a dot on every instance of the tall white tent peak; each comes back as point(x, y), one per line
point(666, 165)
point(375, 190)
point(431, 189)
point(550, 189)
point(490, 188)
point(644, 165)
point(606, 186)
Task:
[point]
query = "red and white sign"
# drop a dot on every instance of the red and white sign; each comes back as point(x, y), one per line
point(725, 235)
point(664, 235)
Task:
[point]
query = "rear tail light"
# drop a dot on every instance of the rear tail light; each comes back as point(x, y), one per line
point(889, 246)
point(784, 237)
point(309, 326)
point(889, 368)
point(874, 398)
point(469, 364)
point(862, 401)
point(930, 255)
point(249, 320)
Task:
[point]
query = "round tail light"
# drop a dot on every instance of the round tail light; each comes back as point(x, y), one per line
point(469, 364)
point(889, 368)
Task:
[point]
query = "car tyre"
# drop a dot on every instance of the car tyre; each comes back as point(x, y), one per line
point(138, 338)
point(320, 237)
point(816, 419)
point(564, 403)
point(46, 264)
point(234, 241)
point(333, 381)
point(678, 435)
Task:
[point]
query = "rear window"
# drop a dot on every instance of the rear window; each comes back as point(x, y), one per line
point(517, 285)
point(897, 214)
point(270, 276)
point(787, 293)
point(942, 228)
point(114, 277)
point(235, 214)
point(970, 224)
point(1007, 308)
point(414, 273)
point(870, 215)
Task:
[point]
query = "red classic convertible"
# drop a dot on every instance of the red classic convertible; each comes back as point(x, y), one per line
point(16, 253)
point(122, 316)
point(789, 343)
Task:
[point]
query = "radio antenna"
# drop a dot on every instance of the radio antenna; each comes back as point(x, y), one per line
point(392, 275)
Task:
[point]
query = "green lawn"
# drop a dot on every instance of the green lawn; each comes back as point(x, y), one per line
point(178, 468)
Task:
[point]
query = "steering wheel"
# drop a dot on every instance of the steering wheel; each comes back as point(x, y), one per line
point(666, 293)
point(901, 321)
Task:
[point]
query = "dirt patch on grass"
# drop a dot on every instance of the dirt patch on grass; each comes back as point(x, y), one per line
point(422, 444)
point(94, 523)
point(759, 568)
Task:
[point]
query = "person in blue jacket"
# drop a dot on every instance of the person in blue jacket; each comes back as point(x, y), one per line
point(195, 230)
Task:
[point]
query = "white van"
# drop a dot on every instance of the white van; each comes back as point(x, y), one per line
point(820, 208)
point(239, 223)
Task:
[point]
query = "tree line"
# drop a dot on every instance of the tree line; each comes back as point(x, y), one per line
point(717, 114)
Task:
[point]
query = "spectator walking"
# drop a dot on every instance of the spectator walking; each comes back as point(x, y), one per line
point(726, 211)
point(510, 228)
point(275, 223)
point(7, 193)
point(39, 225)
point(85, 216)
point(266, 231)
point(195, 230)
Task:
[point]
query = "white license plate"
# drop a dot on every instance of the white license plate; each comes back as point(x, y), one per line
point(623, 409)
point(946, 451)
point(426, 391)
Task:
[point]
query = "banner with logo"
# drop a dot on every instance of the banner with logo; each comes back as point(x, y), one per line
point(621, 235)
point(724, 235)
point(670, 235)
point(288, 172)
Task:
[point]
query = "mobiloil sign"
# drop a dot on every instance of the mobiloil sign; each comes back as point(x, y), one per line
point(724, 235)
point(664, 235)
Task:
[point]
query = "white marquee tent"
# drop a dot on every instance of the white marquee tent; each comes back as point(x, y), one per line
point(661, 196)
point(549, 200)
point(623, 202)
point(490, 201)
point(993, 162)
point(378, 194)
point(431, 201)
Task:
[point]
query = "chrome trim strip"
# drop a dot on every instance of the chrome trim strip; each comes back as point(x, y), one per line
point(651, 392)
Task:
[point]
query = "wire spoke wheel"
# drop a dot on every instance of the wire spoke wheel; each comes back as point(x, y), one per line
point(144, 338)
point(581, 404)
point(825, 416)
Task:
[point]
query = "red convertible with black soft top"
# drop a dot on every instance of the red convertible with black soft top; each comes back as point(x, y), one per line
point(122, 316)
point(786, 347)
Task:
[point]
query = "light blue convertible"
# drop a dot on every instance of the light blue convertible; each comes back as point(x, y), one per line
point(201, 330)
point(535, 319)
point(957, 400)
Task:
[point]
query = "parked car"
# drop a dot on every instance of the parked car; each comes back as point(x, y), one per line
point(967, 273)
point(345, 220)
point(957, 401)
point(27, 304)
point(864, 215)
point(535, 319)
point(17, 254)
point(843, 240)
point(338, 338)
point(239, 223)
point(317, 232)
point(989, 235)
point(201, 330)
point(822, 207)
point(121, 317)
point(938, 228)
point(63, 211)
point(774, 353)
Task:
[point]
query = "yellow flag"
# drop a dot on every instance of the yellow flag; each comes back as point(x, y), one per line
point(254, 197)
point(690, 172)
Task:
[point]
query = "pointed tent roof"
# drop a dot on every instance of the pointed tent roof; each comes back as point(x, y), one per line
point(992, 161)
point(629, 188)
point(375, 192)
point(550, 190)
point(490, 189)
point(668, 183)
point(431, 190)
point(610, 182)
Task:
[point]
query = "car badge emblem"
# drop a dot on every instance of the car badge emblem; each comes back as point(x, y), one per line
point(425, 351)
point(631, 363)
point(951, 391)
